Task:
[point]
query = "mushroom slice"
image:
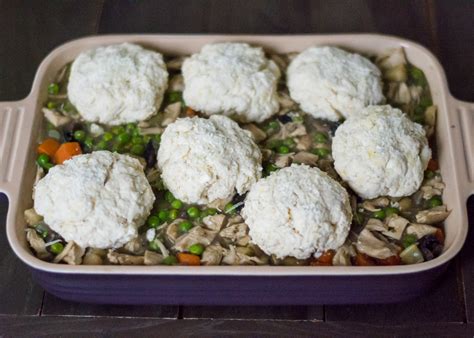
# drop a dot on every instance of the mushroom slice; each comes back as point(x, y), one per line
point(235, 232)
point(433, 215)
point(172, 230)
point(220, 203)
point(214, 222)
point(396, 225)
point(235, 220)
point(124, 259)
point(234, 257)
point(136, 246)
point(343, 255)
point(376, 204)
point(266, 154)
point(432, 187)
point(290, 129)
point(374, 224)
point(37, 244)
point(285, 101)
point(391, 58)
point(430, 120)
point(151, 131)
point(39, 175)
point(94, 257)
point(415, 92)
point(196, 235)
point(421, 230)
point(306, 158)
point(55, 118)
point(304, 142)
point(282, 161)
point(280, 60)
point(171, 113)
point(31, 217)
point(258, 134)
point(175, 63)
point(71, 254)
point(212, 255)
point(176, 83)
point(372, 246)
point(152, 258)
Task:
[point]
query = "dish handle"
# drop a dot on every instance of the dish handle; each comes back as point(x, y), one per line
point(464, 143)
point(14, 124)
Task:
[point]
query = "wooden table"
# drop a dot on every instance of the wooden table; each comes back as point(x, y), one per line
point(30, 29)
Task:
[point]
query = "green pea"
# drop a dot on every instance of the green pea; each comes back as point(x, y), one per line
point(175, 97)
point(417, 76)
point(429, 174)
point(389, 211)
point(273, 144)
point(176, 204)
point(193, 212)
point(435, 201)
point(137, 149)
point(153, 245)
point(117, 130)
point(408, 239)
point(271, 167)
point(297, 118)
point(80, 135)
point(425, 102)
point(320, 137)
point(43, 161)
point(185, 226)
point(173, 214)
point(146, 139)
point(130, 127)
point(170, 260)
point(56, 248)
point(322, 152)
point(137, 140)
point(107, 136)
point(51, 105)
point(379, 214)
point(102, 145)
point(229, 209)
point(289, 142)
point(163, 215)
point(123, 138)
point(196, 249)
point(169, 197)
point(158, 138)
point(272, 125)
point(210, 212)
point(153, 221)
point(283, 149)
point(89, 142)
point(53, 88)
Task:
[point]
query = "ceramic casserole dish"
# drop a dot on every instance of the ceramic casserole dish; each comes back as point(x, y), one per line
point(20, 125)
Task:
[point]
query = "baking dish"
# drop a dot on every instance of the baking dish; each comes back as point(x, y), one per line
point(20, 124)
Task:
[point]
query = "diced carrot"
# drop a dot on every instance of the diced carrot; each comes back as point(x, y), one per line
point(188, 259)
point(324, 260)
point(48, 147)
point(364, 260)
point(439, 234)
point(67, 151)
point(190, 112)
point(433, 165)
point(392, 260)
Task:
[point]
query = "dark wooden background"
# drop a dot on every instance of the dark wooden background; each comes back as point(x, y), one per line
point(30, 29)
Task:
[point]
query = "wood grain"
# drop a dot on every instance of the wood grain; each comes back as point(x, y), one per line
point(126, 327)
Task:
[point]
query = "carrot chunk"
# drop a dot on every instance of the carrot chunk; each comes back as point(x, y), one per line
point(188, 259)
point(324, 260)
point(439, 234)
point(48, 147)
point(190, 112)
point(66, 151)
point(364, 260)
point(392, 260)
point(433, 165)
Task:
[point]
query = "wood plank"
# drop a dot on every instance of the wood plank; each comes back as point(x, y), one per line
point(467, 266)
point(254, 312)
point(53, 306)
point(442, 304)
point(30, 30)
point(127, 327)
point(454, 25)
point(166, 16)
point(19, 294)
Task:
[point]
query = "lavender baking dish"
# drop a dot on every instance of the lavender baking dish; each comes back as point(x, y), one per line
point(20, 124)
